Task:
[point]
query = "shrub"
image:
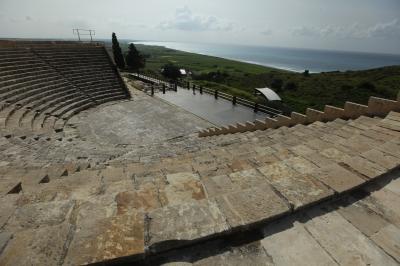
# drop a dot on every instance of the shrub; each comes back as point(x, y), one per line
point(291, 86)
point(134, 59)
point(276, 84)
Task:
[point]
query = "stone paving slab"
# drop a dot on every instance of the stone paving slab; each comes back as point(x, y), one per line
point(248, 207)
point(363, 218)
point(365, 167)
point(338, 178)
point(107, 238)
point(293, 246)
point(176, 225)
point(388, 238)
point(343, 241)
point(41, 246)
point(8, 205)
point(301, 190)
point(250, 254)
point(39, 214)
point(384, 160)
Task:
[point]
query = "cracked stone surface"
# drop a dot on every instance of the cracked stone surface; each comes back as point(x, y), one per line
point(184, 222)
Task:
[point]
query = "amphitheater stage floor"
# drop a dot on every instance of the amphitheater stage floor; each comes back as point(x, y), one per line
point(141, 121)
point(219, 112)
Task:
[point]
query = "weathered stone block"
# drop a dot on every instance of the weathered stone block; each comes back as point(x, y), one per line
point(38, 246)
point(338, 178)
point(346, 244)
point(298, 118)
point(354, 110)
point(365, 167)
point(388, 238)
point(247, 178)
point(300, 164)
point(176, 225)
point(183, 187)
point(331, 113)
point(107, 238)
point(300, 247)
point(314, 115)
point(39, 214)
point(277, 170)
point(301, 190)
point(379, 106)
point(218, 185)
point(249, 207)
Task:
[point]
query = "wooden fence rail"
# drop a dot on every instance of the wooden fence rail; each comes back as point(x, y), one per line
point(217, 94)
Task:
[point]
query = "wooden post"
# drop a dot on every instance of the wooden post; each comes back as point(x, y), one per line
point(188, 85)
point(176, 86)
point(194, 87)
point(163, 88)
point(216, 94)
point(201, 89)
point(152, 90)
point(234, 100)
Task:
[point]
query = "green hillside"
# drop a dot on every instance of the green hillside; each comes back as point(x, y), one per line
point(297, 90)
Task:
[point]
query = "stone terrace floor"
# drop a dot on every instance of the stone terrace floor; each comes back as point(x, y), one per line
point(144, 120)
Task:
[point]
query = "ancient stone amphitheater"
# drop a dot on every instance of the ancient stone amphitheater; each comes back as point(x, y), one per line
point(93, 170)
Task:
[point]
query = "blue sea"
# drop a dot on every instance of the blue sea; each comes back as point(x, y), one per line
point(293, 59)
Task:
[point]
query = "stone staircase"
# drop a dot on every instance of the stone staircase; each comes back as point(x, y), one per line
point(376, 107)
point(231, 184)
point(42, 85)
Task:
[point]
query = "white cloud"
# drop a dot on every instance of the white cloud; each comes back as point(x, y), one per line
point(185, 20)
point(387, 30)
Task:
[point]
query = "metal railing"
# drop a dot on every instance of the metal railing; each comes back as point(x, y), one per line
point(217, 94)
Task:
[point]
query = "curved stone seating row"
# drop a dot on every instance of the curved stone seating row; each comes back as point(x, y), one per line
point(376, 106)
point(152, 207)
point(41, 87)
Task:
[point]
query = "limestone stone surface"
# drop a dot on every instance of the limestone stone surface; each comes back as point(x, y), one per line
point(250, 254)
point(384, 160)
point(8, 204)
point(217, 185)
point(277, 170)
point(293, 245)
point(174, 225)
point(301, 165)
point(338, 178)
point(384, 202)
point(388, 238)
point(40, 214)
point(183, 187)
point(247, 178)
point(252, 206)
point(343, 241)
point(40, 246)
point(301, 190)
point(107, 238)
point(334, 154)
point(363, 218)
point(365, 167)
point(4, 238)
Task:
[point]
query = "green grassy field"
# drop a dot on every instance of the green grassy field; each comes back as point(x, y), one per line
point(296, 90)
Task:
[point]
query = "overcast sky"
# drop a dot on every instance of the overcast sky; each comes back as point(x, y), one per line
point(358, 25)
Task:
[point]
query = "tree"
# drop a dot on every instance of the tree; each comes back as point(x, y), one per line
point(171, 71)
point(134, 59)
point(118, 58)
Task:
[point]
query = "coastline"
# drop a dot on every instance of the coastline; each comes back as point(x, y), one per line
point(287, 59)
